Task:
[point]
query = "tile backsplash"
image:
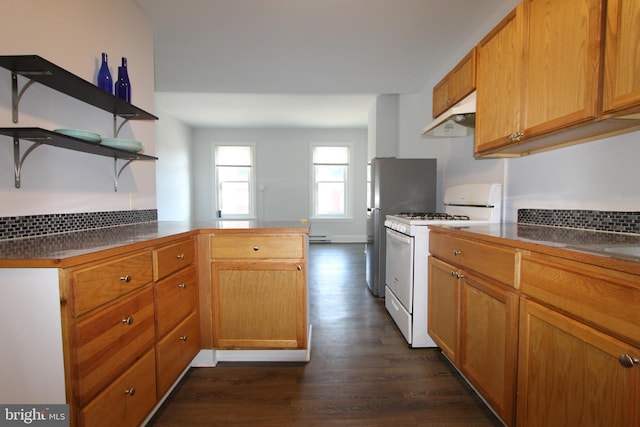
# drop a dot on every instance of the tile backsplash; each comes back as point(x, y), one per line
point(612, 221)
point(15, 227)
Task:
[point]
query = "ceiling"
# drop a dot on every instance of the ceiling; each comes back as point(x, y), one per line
point(312, 63)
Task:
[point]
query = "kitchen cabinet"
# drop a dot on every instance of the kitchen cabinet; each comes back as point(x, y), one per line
point(621, 92)
point(475, 310)
point(456, 85)
point(177, 316)
point(579, 344)
point(37, 69)
point(108, 325)
point(499, 84)
point(259, 290)
point(444, 307)
point(539, 83)
point(558, 47)
point(130, 320)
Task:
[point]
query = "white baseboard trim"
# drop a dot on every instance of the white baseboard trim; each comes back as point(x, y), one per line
point(207, 358)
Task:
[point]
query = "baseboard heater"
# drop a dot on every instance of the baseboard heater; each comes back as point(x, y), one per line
point(319, 239)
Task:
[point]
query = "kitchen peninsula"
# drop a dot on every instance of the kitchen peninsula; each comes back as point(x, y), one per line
point(109, 320)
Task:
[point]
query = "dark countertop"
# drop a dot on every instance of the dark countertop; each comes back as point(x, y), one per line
point(60, 250)
point(596, 247)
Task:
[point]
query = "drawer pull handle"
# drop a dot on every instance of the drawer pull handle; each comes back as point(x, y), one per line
point(126, 278)
point(130, 391)
point(456, 253)
point(628, 361)
point(128, 320)
point(181, 256)
point(256, 248)
point(183, 338)
point(182, 285)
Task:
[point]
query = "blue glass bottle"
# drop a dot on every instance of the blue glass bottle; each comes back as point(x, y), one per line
point(104, 76)
point(122, 87)
point(125, 71)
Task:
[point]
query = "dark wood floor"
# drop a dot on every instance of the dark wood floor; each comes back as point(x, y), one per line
point(362, 372)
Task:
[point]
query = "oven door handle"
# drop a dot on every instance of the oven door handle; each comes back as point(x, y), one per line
point(402, 238)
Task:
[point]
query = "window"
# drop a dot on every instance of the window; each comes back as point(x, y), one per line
point(234, 181)
point(330, 181)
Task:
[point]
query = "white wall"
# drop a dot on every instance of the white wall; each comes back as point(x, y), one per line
point(175, 198)
point(283, 170)
point(72, 34)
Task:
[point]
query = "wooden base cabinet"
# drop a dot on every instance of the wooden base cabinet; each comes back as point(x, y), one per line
point(488, 354)
point(444, 307)
point(259, 298)
point(570, 374)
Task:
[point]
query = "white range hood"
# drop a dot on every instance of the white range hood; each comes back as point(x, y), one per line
point(458, 121)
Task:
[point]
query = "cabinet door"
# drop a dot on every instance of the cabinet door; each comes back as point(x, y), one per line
point(562, 63)
point(622, 56)
point(489, 344)
point(499, 84)
point(463, 78)
point(443, 312)
point(441, 98)
point(570, 374)
point(258, 304)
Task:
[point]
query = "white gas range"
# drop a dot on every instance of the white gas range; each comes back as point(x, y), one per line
point(408, 250)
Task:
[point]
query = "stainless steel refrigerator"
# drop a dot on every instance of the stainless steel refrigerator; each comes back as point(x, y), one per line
point(396, 185)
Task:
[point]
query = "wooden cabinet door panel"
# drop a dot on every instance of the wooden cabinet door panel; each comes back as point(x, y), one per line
point(488, 353)
point(622, 56)
point(562, 63)
point(443, 312)
point(259, 305)
point(108, 342)
point(499, 84)
point(115, 407)
point(570, 375)
point(172, 258)
point(176, 350)
point(176, 296)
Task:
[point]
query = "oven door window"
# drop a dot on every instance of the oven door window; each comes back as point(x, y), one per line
point(399, 267)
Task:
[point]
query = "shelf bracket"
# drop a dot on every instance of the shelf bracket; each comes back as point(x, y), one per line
point(117, 173)
point(116, 128)
point(17, 95)
point(18, 160)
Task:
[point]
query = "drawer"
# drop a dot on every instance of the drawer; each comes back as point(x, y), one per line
point(108, 342)
point(127, 401)
point(99, 284)
point(176, 296)
point(587, 293)
point(176, 350)
point(171, 258)
point(252, 246)
point(496, 262)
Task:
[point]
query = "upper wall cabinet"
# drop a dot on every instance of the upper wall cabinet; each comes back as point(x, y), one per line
point(499, 78)
point(460, 82)
point(553, 52)
point(622, 57)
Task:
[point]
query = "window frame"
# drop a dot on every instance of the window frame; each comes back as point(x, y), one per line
point(252, 214)
point(348, 197)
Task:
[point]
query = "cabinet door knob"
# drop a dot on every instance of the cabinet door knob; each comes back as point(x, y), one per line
point(126, 278)
point(181, 256)
point(459, 276)
point(128, 320)
point(183, 338)
point(299, 268)
point(256, 248)
point(456, 253)
point(454, 274)
point(182, 285)
point(628, 361)
point(130, 391)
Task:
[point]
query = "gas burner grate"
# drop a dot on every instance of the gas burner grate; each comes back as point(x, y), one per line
point(433, 216)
